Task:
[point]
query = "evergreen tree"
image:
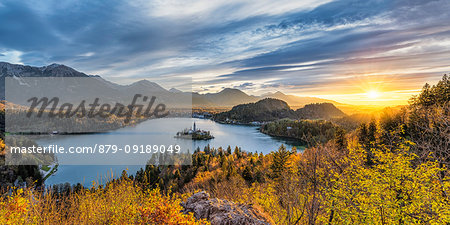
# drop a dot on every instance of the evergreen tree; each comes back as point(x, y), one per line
point(280, 158)
point(229, 150)
point(247, 174)
point(341, 140)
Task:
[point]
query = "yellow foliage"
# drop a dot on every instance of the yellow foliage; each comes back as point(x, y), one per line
point(117, 203)
point(391, 192)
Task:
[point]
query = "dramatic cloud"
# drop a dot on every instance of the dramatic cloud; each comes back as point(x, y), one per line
point(337, 49)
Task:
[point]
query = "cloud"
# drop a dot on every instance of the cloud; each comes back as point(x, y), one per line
point(296, 45)
point(245, 85)
point(11, 56)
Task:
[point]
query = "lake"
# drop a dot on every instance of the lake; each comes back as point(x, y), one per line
point(246, 137)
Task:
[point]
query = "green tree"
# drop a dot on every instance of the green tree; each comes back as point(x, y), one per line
point(279, 161)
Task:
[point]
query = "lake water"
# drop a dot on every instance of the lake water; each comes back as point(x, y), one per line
point(246, 137)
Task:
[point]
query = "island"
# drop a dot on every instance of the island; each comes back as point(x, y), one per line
point(194, 134)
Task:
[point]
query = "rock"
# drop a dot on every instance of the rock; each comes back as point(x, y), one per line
point(222, 212)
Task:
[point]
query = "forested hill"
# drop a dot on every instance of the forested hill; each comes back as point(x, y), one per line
point(319, 111)
point(271, 109)
point(268, 109)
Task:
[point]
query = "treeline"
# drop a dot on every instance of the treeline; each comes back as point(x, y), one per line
point(310, 132)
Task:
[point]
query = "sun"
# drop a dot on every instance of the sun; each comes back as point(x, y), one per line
point(373, 94)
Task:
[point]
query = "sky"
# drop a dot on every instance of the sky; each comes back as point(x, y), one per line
point(375, 52)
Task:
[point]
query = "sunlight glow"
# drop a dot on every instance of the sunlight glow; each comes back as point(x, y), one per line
point(373, 94)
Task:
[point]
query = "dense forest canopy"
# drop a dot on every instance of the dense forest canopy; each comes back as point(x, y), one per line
point(310, 132)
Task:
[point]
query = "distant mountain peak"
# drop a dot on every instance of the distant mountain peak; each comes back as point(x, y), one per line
point(53, 65)
point(144, 81)
point(231, 90)
point(147, 84)
point(174, 90)
point(226, 97)
point(52, 70)
point(279, 93)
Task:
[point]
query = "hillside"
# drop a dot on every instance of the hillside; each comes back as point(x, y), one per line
point(268, 109)
point(271, 109)
point(319, 111)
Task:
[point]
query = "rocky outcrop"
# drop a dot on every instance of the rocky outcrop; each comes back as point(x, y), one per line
point(222, 212)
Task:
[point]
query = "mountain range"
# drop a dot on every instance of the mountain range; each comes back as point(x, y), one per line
point(227, 97)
